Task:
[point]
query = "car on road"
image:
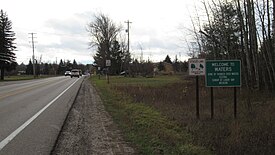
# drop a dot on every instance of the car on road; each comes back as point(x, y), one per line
point(75, 73)
point(68, 73)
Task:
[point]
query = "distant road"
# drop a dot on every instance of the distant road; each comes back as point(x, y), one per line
point(32, 113)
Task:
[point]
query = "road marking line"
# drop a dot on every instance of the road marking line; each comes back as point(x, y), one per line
point(23, 90)
point(23, 126)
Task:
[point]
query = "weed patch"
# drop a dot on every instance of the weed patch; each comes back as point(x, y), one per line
point(146, 106)
point(149, 130)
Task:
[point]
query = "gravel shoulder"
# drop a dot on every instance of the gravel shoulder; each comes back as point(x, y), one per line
point(89, 129)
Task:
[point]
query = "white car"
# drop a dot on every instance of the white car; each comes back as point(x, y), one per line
point(68, 73)
point(75, 73)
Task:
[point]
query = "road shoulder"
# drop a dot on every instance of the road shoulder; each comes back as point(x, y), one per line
point(89, 129)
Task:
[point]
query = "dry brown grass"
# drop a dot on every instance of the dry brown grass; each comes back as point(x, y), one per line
point(253, 132)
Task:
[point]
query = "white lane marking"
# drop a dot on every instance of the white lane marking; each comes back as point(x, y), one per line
point(23, 126)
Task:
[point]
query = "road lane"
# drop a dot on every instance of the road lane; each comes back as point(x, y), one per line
point(19, 102)
point(10, 90)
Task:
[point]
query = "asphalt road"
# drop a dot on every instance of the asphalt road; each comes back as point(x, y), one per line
point(32, 113)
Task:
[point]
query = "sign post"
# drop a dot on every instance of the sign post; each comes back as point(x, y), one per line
point(108, 64)
point(196, 68)
point(223, 73)
point(98, 70)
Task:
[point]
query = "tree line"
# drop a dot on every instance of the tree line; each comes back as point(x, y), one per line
point(244, 30)
point(51, 68)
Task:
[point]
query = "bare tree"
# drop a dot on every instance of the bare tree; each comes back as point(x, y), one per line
point(103, 32)
point(266, 43)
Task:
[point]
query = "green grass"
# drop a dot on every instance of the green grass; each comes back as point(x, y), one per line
point(144, 126)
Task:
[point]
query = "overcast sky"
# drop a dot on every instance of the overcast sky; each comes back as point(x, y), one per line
point(60, 27)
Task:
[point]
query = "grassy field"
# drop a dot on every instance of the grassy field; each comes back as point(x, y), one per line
point(143, 125)
point(158, 116)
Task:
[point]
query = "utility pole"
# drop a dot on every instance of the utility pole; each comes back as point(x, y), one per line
point(128, 31)
point(33, 60)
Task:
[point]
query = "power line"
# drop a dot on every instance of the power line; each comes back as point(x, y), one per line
point(128, 31)
point(33, 64)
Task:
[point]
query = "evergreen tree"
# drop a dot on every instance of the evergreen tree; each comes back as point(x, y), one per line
point(69, 65)
point(21, 68)
point(29, 70)
point(46, 69)
point(168, 59)
point(37, 68)
point(61, 67)
point(221, 36)
point(160, 66)
point(7, 45)
point(176, 65)
point(75, 66)
point(116, 58)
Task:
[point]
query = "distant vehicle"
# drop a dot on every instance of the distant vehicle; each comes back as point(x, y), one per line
point(68, 73)
point(75, 73)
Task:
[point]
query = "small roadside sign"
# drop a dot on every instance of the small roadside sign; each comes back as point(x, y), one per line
point(223, 73)
point(196, 67)
point(108, 63)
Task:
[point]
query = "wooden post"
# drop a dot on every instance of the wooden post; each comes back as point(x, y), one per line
point(235, 102)
point(212, 103)
point(197, 98)
point(108, 75)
